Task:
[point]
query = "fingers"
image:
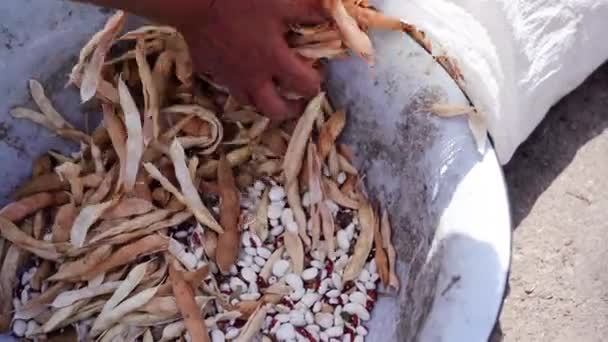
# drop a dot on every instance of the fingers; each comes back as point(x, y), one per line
point(267, 98)
point(295, 74)
point(304, 11)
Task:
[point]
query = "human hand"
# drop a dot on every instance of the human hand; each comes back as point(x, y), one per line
point(242, 44)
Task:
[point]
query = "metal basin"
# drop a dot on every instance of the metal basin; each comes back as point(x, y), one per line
point(447, 201)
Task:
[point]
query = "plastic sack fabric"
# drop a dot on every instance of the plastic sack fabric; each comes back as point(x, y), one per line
point(518, 57)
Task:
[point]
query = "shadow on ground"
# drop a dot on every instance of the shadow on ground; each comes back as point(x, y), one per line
point(575, 120)
point(570, 124)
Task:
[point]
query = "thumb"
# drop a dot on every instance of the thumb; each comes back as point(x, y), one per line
point(304, 11)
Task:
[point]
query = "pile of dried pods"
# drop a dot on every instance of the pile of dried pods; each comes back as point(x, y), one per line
point(186, 216)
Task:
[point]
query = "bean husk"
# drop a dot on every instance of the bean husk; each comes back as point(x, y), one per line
point(186, 302)
point(36, 306)
point(133, 224)
point(190, 193)
point(20, 209)
point(118, 136)
point(60, 316)
point(380, 254)
point(151, 96)
point(386, 230)
point(364, 243)
point(330, 131)
point(14, 258)
point(64, 220)
point(295, 249)
point(335, 194)
point(352, 34)
point(314, 175)
point(135, 276)
point(43, 183)
point(135, 136)
point(253, 325)
point(92, 70)
point(297, 144)
point(128, 207)
point(328, 227)
point(70, 297)
point(85, 219)
point(74, 269)
point(43, 249)
point(45, 105)
point(295, 203)
point(260, 220)
point(105, 320)
point(229, 241)
point(274, 257)
point(127, 254)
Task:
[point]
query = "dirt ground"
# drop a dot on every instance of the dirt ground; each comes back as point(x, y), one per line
point(558, 185)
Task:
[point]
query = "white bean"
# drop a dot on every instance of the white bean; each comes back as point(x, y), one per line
point(294, 280)
point(317, 307)
point(245, 241)
point(361, 330)
point(309, 317)
point(310, 273)
point(237, 284)
point(276, 193)
point(297, 294)
point(232, 333)
point(249, 275)
point(287, 216)
point(251, 251)
point(286, 332)
point(317, 264)
point(333, 294)
point(276, 231)
point(19, 328)
point(296, 318)
point(292, 227)
point(282, 318)
point(310, 299)
point(358, 298)
point(217, 336)
point(274, 211)
point(357, 309)
point(337, 281)
point(280, 268)
point(259, 261)
point(335, 331)
point(259, 185)
point(264, 252)
point(343, 239)
point(325, 320)
point(250, 296)
point(341, 178)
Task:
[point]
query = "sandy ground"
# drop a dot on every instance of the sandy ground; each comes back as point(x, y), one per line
point(558, 184)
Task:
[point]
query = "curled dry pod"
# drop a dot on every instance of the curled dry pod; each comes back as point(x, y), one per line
point(229, 241)
point(382, 262)
point(260, 223)
point(352, 34)
point(330, 132)
point(253, 325)
point(364, 243)
point(43, 249)
point(186, 302)
point(25, 207)
point(390, 250)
